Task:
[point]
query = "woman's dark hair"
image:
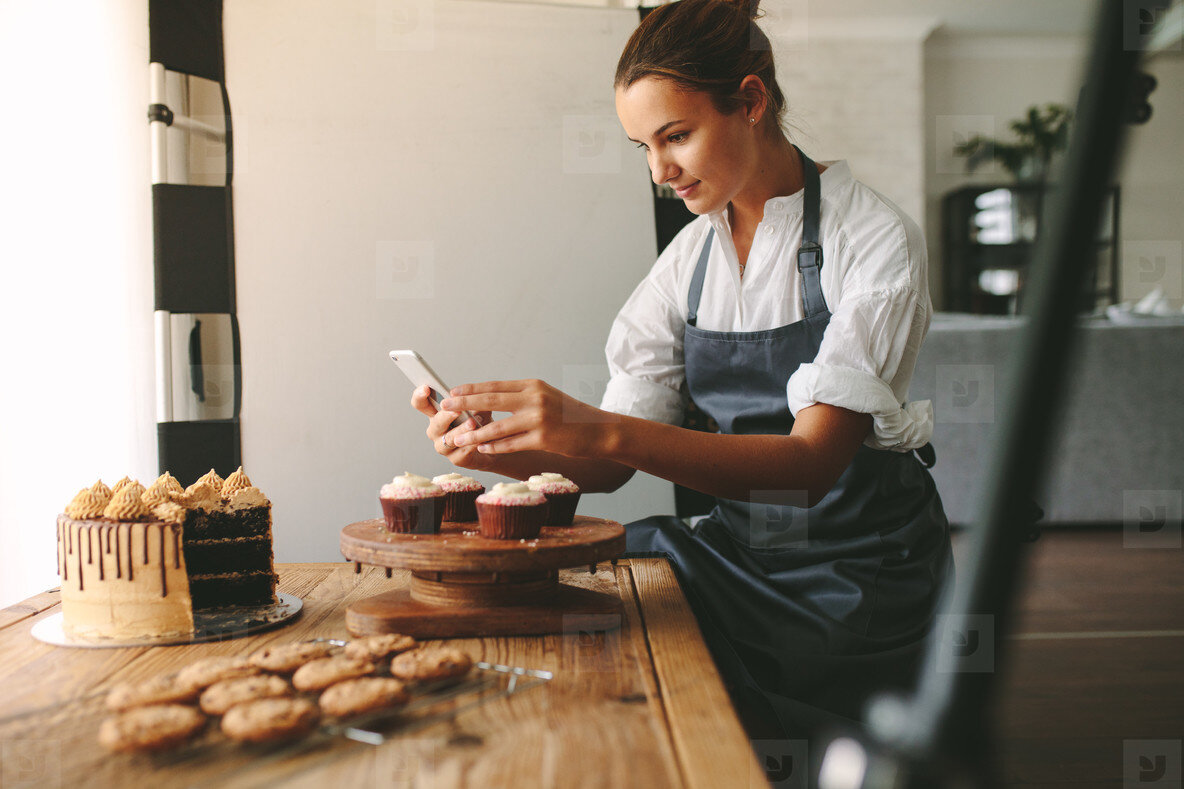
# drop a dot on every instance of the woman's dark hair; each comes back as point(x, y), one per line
point(704, 45)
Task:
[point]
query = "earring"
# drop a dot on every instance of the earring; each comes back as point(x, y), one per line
point(752, 120)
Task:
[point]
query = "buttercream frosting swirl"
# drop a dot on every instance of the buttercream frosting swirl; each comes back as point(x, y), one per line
point(127, 504)
point(212, 479)
point(201, 495)
point(456, 482)
point(156, 495)
point(118, 486)
point(101, 490)
point(167, 483)
point(85, 506)
point(245, 498)
point(550, 482)
point(235, 482)
point(511, 493)
point(409, 486)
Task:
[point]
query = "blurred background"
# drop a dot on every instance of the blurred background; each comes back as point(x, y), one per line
point(450, 176)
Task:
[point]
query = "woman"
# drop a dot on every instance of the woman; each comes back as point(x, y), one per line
point(815, 577)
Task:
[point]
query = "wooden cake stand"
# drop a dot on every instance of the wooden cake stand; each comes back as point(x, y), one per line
point(466, 585)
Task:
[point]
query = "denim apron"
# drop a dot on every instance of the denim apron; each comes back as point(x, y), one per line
point(807, 611)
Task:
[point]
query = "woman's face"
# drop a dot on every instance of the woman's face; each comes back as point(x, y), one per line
point(707, 157)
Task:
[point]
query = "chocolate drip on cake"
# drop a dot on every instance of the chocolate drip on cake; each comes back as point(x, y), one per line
point(101, 576)
point(118, 557)
point(146, 544)
point(79, 558)
point(176, 546)
point(130, 556)
point(90, 545)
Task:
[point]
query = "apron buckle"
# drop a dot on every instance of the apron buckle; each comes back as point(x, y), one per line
point(809, 255)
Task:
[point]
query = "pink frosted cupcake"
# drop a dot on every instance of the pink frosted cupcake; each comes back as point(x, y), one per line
point(460, 496)
point(562, 494)
point(411, 504)
point(511, 511)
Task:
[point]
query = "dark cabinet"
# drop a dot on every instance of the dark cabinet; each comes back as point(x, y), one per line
point(988, 235)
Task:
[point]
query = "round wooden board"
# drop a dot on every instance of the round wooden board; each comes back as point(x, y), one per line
point(458, 548)
point(569, 610)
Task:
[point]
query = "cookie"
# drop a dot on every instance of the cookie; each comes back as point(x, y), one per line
point(355, 696)
point(223, 695)
point(206, 672)
point(150, 728)
point(431, 664)
point(158, 690)
point(286, 658)
point(270, 719)
point(321, 673)
point(378, 647)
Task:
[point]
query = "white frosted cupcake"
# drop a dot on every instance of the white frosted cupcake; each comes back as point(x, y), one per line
point(412, 504)
point(563, 496)
point(460, 496)
point(511, 511)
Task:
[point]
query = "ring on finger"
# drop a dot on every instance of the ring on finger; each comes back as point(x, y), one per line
point(447, 443)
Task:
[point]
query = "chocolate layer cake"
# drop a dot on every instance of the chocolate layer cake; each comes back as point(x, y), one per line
point(227, 543)
point(138, 562)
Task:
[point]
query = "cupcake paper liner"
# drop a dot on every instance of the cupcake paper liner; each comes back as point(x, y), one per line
point(511, 521)
point(561, 508)
point(461, 505)
point(413, 516)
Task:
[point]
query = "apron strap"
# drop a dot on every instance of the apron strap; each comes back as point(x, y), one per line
point(810, 252)
point(926, 455)
point(696, 291)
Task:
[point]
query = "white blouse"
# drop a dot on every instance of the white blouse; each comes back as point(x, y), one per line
point(874, 280)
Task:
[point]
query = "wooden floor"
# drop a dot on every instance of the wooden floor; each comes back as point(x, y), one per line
point(1092, 681)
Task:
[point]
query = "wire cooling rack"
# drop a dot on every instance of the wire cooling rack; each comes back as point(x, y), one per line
point(67, 731)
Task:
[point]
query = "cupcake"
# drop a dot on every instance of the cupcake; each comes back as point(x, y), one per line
point(562, 497)
point(411, 504)
point(511, 511)
point(460, 496)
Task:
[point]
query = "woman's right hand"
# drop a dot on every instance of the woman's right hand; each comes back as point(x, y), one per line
point(444, 439)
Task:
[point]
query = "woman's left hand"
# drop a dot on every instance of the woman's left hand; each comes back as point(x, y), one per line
point(542, 418)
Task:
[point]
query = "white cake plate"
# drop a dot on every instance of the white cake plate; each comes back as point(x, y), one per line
point(217, 624)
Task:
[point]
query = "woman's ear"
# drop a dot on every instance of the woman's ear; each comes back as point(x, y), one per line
point(756, 98)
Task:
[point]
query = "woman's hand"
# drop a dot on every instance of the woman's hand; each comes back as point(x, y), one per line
point(542, 418)
point(443, 438)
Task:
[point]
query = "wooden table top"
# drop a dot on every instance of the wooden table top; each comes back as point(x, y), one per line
point(641, 706)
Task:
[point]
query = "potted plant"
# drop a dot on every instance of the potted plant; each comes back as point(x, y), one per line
point(1040, 134)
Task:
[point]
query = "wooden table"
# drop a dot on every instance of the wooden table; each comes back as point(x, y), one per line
point(639, 706)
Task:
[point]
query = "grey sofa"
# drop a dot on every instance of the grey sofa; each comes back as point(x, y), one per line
point(1119, 447)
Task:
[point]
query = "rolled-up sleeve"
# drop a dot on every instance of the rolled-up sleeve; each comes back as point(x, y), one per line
point(644, 353)
point(870, 344)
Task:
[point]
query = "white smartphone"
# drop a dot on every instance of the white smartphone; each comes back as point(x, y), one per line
point(421, 374)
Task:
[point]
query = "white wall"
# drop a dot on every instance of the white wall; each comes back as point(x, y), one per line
point(855, 90)
point(76, 253)
point(421, 186)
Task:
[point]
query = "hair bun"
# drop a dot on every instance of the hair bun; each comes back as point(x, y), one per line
point(751, 8)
